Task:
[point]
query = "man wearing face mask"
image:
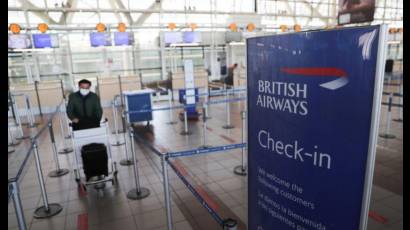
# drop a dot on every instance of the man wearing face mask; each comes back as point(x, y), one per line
point(84, 108)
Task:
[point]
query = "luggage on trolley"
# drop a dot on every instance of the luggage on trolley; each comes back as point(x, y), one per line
point(93, 157)
point(95, 160)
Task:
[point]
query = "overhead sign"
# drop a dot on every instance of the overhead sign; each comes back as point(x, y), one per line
point(19, 41)
point(45, 40)
point(355, 11)
point(192, 37)
point(100, 39)
point(313, 113)
point(123, 38)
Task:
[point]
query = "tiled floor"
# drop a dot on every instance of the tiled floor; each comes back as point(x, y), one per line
point(210, 173)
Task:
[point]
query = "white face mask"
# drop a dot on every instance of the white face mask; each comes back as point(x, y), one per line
point(84, 92)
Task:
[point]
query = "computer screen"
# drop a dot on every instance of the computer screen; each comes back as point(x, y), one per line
point(123, 38)
point(19, 41)
point(45, 41)
point(192, 37)
point(100, 39)
point(172, 37)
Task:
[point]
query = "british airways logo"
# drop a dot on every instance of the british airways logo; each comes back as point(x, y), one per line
point(340, 75)
point(292, 97)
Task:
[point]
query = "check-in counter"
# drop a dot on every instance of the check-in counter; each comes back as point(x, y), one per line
point(27, 89)
point(108, 87)
point(130, 83)
point(49, 95)
point(200, 78)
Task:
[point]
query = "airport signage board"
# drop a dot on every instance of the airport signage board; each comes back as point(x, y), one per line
point(189, 82)
point(123, 38)
point(313, 109)
point(45, 40)
point(19, 41)
point(100, 39)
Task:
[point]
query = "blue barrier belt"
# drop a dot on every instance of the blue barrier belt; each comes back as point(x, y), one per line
point(207, 150)
point(196, 194)
point(185, 106)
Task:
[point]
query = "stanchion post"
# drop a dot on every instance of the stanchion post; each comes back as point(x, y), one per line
point(387, 134)
point(30, 115)
point(167, 200)
point(11, 137)
point(171, 112)
point(204, 120)
point(241, 170)
point(228, 110)
point(114, 114)
point(58, 171)
point(47, 210)
point(400, 119)
point(126, 161)
point(15, 191)
point(38, 98)
point(18, 120)
point(207, 92)
point(65, 148)
point(68, 136)
point(138, 192)
point(121, 95)
point(185, 131)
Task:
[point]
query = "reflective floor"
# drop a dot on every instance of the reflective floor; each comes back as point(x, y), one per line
point(212, 174)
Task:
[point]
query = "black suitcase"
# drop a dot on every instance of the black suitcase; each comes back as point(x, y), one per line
point(95, 160)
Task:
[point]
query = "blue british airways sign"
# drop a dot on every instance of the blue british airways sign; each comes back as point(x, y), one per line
point(310, 105)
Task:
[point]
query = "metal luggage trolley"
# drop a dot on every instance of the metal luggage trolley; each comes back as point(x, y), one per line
point(83, 137)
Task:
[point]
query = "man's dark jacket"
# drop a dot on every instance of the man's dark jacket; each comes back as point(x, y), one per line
point(86, 108)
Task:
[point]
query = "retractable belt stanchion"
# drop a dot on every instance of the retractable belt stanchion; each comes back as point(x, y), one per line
point(387, 134)
point(204, 120)
point(228, 111)
point(185, 131)
point(167, 200)
point(47, 210)
point(30, 115)
point(242, 169)
point(66, 149)
point(400, 119)
point(38, 98)
point(68, 136)
point(12, 142)
point(171, 112)
point(10, 145)
point(126, 161)
point(15, 191)
point(114, 114)
point(116, 117)
point(18, 120)
point(207, 92)
point(138, 192)
point(58, 171)
point(121, 95)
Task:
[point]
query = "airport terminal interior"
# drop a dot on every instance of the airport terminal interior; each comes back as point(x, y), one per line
point(171, 148)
